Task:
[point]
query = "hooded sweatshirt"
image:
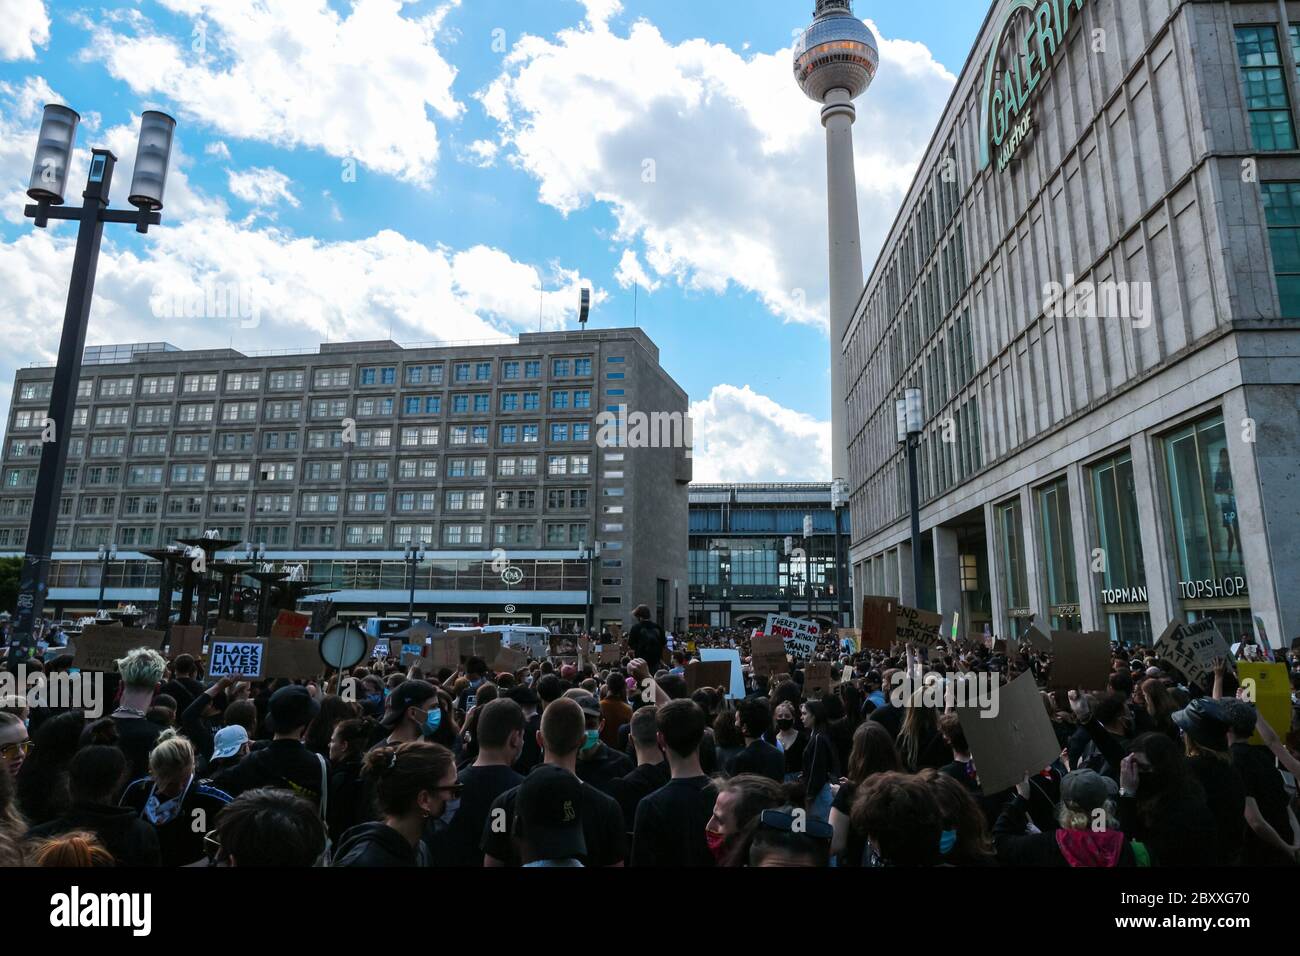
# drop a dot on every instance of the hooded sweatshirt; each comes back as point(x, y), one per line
point(374, 845)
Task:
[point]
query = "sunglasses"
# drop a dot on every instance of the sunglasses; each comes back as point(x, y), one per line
point(10, 751)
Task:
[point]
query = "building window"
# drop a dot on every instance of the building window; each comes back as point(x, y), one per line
point(1282, 213)
point(1269, 106)
point(1011, 562)
point(1058, 555)
point(1119, 535)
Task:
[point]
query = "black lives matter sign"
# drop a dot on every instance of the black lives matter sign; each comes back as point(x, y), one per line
point(236, 659)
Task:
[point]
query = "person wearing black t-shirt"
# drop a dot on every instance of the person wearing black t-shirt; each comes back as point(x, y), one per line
point(1270, 839)
point(531, 755)
point(141, 672)
point(285, 762)
point(500, 740)
point(754, 718)
point(598, 764)
point(564, 728)
point(671, 823)
point(651, 771)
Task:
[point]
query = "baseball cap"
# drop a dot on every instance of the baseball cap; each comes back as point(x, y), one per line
point(1087, 789)
point(409, 693)
point(227, 741)
point(548, 814)
point(290, 708)
point(1204, 721)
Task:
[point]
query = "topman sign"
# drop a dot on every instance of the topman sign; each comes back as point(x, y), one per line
point(1006, 117)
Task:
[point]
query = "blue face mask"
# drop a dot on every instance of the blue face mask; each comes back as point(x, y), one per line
point(947, 841)
point(593, 738)
point(432, 722)
point(449, 811)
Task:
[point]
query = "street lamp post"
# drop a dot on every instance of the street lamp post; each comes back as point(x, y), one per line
point(909, 425)
point(414, 555)
point(590, 554)
point(48, 183)
point(839, 492)
point(807, 562)
point(106, 554)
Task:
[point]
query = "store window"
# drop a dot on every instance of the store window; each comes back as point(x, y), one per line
point(1011, 563)
point(1058, 555)
point(1119, 537)
point(1207, 535)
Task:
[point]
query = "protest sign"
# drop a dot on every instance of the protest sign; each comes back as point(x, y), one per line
point(235, 658)
point(800, 637)
point(1040, 642)
point(768, 656)
point(608, 655)
point(412, 653)
point(486, 647)
point(510, 659)
point(290, 624)
point(711, 674)
point(294, 660)
point(879, 623)
point(1192, 649)
point(1080, 660)
point(381, 647)
point(1018, 741)
point(186, 639)
point(235, 629)
point(816, 679)
point(100, 647)
point(917, 627)
point(710, 655)
point(1269, 687)
point(443, 652)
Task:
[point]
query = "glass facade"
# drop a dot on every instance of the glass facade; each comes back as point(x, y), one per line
point(1119, 536)
point(1206, 532)
point(1058, 555)
point(1282, 214)
point(1011, 565)
point(1265, 89)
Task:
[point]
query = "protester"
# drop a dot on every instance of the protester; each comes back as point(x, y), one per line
point(615, 712)
point(754, 722)
point(900, 820)
point(1273, 838)
point(414, 783)
point(501, 727)
point(75, 850)
point(792, 740)
point(173, 802)
point(784, 838)
point(736, 809)
point(564, 730)
point(268, 828)
point(14, 744)
point(1162, 804)
point(821, 765)
point(598, 763)
point(1089, 833)
point(13, 828)
point(548, 821)
point(348, 795)
point(670, 824)
point(646, 638)
point(141, 672)
point(285, 762)
point(43, 779)
point(230, 745)
point(873, 752)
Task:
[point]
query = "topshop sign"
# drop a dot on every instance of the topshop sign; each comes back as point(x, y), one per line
point(1006, 114)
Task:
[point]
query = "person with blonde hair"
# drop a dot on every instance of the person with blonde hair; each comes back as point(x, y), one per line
point(78, 849)
point(180, 808)
point(1089, 832)
point(141, 672)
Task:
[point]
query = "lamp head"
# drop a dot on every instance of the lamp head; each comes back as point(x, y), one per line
point(152, 157)
point(54, 145)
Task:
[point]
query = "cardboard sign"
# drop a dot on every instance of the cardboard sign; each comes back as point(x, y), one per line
point(879, 623)
point(443, 652)
point(381, 647)
point(510, 659)
point(1080, 660)
point(478, 644)
point(816, 679)
point(414, 652)
point(235, 629)
point(616, 629)
point(1019, 741)
point(294, 660)
point(709, 655)
point(187, 639)
point(233, 658)
point(800, 637)
point(290, 624)
point(767, 656)
point(1040, 642)
point(100, 647)
point(917, 627)
point(711, 674)
point(1192, 648)
point(1270, 687)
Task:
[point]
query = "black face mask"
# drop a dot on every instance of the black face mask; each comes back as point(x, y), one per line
point(784, 724)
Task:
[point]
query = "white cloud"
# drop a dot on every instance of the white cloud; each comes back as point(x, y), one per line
point(482, 153)
point(630, 272)
point(600, 12)
point(740, 435)
point(26, 26)
point(218, 149)
point(261, 187)
point(297, 73)
point(713, 161)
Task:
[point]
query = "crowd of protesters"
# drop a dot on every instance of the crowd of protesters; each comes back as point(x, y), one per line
point(566, 762)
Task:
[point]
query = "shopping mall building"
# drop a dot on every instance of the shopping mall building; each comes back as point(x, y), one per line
point(1095, 283)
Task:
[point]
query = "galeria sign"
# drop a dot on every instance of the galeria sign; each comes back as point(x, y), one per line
point(1006, 116)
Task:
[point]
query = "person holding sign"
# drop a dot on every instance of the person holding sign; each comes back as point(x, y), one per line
point(414, 783)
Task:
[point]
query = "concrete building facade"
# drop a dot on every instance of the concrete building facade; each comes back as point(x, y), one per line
point(1095, 282)
point(507, 460)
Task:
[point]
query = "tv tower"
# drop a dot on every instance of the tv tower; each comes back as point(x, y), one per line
point(834, 62)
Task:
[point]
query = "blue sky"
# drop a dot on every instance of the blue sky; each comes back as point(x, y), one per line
point(445, 170)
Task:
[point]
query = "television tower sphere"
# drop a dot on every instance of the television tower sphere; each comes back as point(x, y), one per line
point(838, 52)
